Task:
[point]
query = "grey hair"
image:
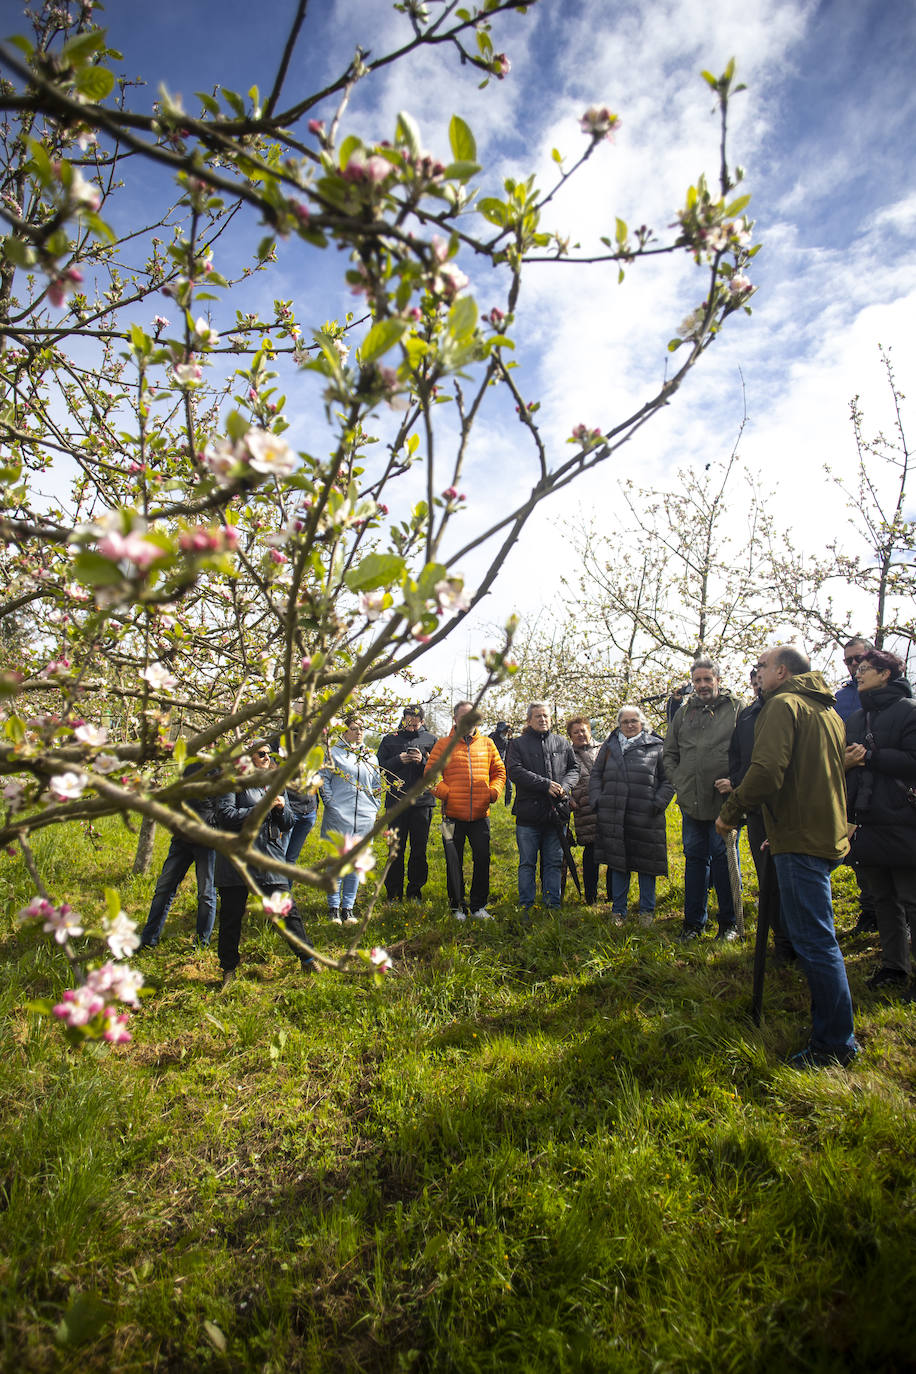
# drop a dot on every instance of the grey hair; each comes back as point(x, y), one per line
point(630, 706)
point(709, 663)
point(533, 706)
point(859, 639)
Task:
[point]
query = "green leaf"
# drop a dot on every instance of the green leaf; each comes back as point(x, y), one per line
point(208, 102)
point(382, 336)
point(461, 140)
point(215, 1337)
point(461, 171)
point(19, 41)
point(42, 1006)
point(462, 318)
point(494, 210)
point(99, 227)
point(556, 155)
point(113, 903)
point(235, 102)
point(376, 570)
point(236, 425)
point(83, 1319)
point(95, 571)
point(142, 343)
point(18, 252)
point(738, 205)
point(436, 1249)
point(14, 729)
point(710, 80)
point(82, 47)
point(348, 148)
point(674, 345)
point(180, 752)
point(407, 131)
point(94, 82)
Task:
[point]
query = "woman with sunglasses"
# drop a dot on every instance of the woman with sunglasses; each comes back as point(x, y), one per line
point(231, 812)
point(881, 793)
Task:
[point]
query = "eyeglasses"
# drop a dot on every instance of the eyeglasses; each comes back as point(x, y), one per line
point(853, 659)
point(261, 754)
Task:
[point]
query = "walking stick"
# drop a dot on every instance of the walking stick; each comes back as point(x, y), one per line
point(734, 877)
point(452, 864)
point(760, 962)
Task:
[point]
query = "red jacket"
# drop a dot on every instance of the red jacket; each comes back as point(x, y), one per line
point(473, 777)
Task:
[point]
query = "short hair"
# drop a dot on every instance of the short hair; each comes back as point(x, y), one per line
point(881, 659)
point(461, 703)
point(858, 639)
point(631, 706)
point(414, 711)
point(709, 663)
point(792, 659)
point(577, 720)
point(533, 706)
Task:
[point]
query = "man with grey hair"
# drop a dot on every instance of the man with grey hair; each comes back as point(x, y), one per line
point(797, 775)
point(544, 769)
point(695, 756)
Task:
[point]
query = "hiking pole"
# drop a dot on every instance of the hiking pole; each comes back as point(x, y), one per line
point(760, 962)
point(734, 878)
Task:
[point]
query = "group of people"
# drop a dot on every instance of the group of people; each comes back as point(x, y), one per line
point(817, 779)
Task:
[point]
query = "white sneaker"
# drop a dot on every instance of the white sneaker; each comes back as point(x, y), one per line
point(481, 914)
point(458, 913)
point(335, 918)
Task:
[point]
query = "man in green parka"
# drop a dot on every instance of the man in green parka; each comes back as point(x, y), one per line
point(797, 776)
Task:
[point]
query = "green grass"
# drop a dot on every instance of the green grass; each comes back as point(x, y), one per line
point(562, 1147)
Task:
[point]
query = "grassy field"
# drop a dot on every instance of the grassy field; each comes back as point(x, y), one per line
point(562, 1147)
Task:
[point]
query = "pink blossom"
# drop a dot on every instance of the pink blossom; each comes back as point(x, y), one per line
point(449, 280)
point(106, 763)
point(78, 1006)
point(300, 210)
point(63, 922)
point(121, 935)
point(38, 907)
point(13, 793)
point(93, 735)
point(277, 557)
point(502, 66)
point(450, 494)
point(316, 126)
point(380, 959)
point(159, 677)
point(599, 122)
point(277, 904)
point(305, 664)
point(114, 1031)
point(132, 547)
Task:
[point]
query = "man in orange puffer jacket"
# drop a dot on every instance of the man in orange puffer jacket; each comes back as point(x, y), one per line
point(473, 777)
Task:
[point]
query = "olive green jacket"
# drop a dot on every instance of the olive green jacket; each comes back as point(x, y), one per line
point(796, 771)
point(696, 752)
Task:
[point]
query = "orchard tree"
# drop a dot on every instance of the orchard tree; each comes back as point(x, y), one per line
point(828, 593)
point(172, 564)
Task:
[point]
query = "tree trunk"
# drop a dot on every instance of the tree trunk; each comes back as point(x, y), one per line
point(144, 855)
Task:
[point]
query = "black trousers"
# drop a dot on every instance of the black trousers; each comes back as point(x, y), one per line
point(412, 828)
point(232, 903)
point(477, 833)
point(767, 884)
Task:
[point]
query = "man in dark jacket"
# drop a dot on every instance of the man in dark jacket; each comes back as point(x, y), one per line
point(231, 813)
point(696, 754)
point(500, 737)
point(847, 703)
point(544, 770)
point(402, 758)
point(797, 776)
point(182, 854)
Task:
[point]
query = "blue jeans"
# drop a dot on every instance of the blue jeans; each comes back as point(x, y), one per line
point(620, 891)
point(806, 908)
point(533, 840)
point(704, 860)
point(297, 837)
point(178, 860)
point(345, 896)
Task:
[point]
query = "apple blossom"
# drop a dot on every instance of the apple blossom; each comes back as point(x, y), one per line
point(277, 904)
point(93, 735)
point(106, 763)
point(78, 1006)
point(159, 677)
point(121, 935)
point(599, 122)
point(132, 548)
point(269, 453)
point(67, 786)
point(450, 594)
point(380, 959)
point(13, 793)
point(63, 921)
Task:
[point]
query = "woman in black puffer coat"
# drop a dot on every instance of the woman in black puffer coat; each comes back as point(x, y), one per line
point(630, 793)
point(881, 767)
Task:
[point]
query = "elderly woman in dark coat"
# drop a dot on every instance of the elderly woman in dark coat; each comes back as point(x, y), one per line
point(585, 821)
point(880, 778)
point(630, 794)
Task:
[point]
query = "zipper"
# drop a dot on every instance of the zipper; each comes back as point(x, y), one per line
point(471, 777)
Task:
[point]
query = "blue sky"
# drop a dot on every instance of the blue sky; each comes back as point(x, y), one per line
point(825, 132)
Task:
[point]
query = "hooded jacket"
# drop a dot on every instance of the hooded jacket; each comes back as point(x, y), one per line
point(696, 752)
point(796, 774)
point(630, 794)
point(230, 813)
point(877, 804)
point(473, 777)
point(400, 776)
point(350, 790)
point(533, 762)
